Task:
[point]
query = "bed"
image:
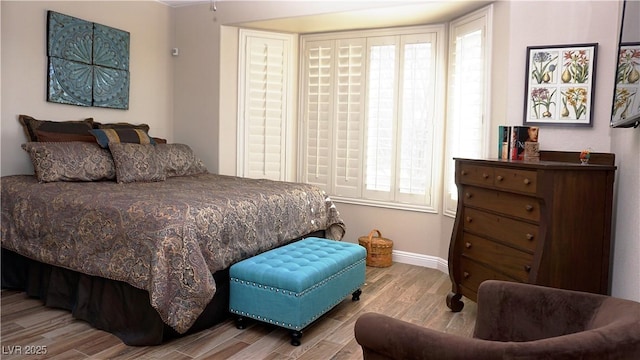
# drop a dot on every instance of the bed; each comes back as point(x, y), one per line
point(145, 260)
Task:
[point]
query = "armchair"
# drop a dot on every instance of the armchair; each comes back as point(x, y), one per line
point(516, 320)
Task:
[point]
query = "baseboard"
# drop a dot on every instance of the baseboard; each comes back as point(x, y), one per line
point(427, 261)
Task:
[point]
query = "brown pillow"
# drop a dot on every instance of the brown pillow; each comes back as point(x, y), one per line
point(136, 162)
point(30, 125)
point(46, 136)
point(121, 125)
point(70, 161)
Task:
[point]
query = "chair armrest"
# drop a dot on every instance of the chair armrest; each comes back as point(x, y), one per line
point(509, 311)
point(383, 337)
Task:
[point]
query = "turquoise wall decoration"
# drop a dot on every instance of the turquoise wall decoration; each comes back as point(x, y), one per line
point(88, 63)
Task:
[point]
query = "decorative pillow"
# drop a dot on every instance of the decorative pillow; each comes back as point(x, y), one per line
point(30, 125)
point(179, 160)
point(121, 125)
point(70, 161)
point(105, 137)
point(47, 136)
point(137, 162)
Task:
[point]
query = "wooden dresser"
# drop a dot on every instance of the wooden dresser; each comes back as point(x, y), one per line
point(546, 222)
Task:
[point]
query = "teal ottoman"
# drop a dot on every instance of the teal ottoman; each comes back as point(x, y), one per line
point(294, 285)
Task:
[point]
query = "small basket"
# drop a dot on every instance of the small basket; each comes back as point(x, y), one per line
point(378, 249)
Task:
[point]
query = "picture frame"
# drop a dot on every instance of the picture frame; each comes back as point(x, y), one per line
point(560, 84)
point(626, 101)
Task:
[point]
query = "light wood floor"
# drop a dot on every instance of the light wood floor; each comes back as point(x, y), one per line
point(408, 292)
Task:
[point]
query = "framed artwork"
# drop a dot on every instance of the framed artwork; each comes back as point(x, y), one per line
point(560, 82)
point(626, 102)
point(88, 63)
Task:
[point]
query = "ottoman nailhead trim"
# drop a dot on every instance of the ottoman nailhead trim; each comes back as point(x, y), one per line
point(313, 318)
point(304, 292)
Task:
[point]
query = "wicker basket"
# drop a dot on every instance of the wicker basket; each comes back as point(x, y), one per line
point(378, 249)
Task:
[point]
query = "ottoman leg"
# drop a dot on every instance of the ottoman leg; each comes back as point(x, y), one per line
point(241, 322)
point(295, 337)
point(356, 295)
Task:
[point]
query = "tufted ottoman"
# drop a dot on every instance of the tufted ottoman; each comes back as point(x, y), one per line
point(293, 285)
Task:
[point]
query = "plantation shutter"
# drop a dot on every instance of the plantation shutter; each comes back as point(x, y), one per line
point(318, 113)
point(264, 107)
point(350, 101)
point(417, 119)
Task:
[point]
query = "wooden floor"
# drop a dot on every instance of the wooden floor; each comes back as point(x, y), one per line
point(408, 292)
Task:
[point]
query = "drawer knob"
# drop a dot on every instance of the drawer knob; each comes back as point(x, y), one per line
point(466, 275)
point(499, 178)
point(467, 245)
point(468, 195)
point(529, 208)
point(529, 237)
point(463, 172)
point(527, 181)
point(469, 219)
point(527, 268)
point(486, 176)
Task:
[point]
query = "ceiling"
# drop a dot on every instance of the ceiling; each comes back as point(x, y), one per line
point(378, 15)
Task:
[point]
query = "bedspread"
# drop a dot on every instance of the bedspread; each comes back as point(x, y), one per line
point(164, 237)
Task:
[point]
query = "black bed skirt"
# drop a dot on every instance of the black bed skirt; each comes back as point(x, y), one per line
point(109, 305)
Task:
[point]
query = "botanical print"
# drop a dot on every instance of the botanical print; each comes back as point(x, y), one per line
point(559, 84)
point(627, 98)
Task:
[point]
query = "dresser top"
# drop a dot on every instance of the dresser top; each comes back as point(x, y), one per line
point(555, 160)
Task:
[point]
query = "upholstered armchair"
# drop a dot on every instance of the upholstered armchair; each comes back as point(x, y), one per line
point(516, 321)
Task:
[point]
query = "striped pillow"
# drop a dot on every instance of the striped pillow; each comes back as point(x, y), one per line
point(104, 137)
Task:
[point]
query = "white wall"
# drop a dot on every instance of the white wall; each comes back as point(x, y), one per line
point(24, 69)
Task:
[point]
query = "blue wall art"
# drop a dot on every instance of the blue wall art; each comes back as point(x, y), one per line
point(88, 63)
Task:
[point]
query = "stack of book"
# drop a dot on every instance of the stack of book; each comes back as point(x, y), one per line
point(518, 143)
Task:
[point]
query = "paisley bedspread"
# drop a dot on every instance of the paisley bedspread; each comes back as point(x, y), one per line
point(164, 237)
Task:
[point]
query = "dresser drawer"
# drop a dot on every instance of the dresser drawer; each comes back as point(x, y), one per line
point(475, 175)
point(520, 234)
point(512, 262)
point(517, 180)
point(524, 207)
point(473, 273)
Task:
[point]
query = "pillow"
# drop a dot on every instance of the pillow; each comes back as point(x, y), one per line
point(179, 160)
point(30, 125)
point(136, 162)
point(70, 161)
point(105, 137)
point(121, 125)
point(47, 136)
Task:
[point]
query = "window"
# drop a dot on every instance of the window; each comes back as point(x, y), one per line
point(468, 104)
point(370, 115)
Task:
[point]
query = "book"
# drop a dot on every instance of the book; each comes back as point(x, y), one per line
point(504, 134)
point(512, 143)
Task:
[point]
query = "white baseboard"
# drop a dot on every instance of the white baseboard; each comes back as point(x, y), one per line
point(427, 261)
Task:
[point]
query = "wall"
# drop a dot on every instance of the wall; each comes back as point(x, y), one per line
point(24, 69)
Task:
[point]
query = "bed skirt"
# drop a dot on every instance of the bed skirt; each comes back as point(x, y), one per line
point(108, 305)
